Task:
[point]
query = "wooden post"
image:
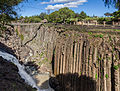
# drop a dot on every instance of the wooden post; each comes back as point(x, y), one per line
point(96, 23)
point(113, 23)
point(74, 23)
point(88, 23)
point(82, 23)
point(104, 23)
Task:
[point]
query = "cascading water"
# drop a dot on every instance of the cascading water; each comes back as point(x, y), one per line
point(28, 79)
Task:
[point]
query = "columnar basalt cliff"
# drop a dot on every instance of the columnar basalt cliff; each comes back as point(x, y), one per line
point(91, 53)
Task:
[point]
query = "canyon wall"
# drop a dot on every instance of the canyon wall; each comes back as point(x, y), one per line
point(89, 54)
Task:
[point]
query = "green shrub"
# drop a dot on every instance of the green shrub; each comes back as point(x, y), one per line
point(21, 37)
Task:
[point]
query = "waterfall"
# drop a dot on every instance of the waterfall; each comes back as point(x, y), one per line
point(28, 79)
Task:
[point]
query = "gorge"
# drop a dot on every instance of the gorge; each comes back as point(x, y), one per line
point(70, 55)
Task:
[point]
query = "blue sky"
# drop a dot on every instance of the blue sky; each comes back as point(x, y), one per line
point(91, 7)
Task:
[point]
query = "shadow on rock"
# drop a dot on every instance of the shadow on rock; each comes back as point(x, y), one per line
point(31, 68)
point(10, 80)
point(7, 49)
point(72, 82)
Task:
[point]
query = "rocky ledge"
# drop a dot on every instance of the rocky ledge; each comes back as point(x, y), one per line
point(10, 80)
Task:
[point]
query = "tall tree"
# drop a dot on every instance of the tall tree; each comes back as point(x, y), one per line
point(7, 11)
point(82, 15)
point(61, 16)
point(42, 15)
point(66, 13)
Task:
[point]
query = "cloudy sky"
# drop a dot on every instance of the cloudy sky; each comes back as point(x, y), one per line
point(91, 7)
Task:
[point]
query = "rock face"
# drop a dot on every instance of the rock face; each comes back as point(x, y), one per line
point(40, 41)
point(32, 50)
point(92, 53)
point(72, 82)
point(10, 79)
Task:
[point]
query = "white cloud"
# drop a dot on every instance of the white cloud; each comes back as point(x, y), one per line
point(58, 1)
point(73, 3)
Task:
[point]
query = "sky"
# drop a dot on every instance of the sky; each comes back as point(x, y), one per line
point(90, 7)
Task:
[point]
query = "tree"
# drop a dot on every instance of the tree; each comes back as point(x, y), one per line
point(115, 3)
point(61, 16)
point(7, 12)
point(116, 14)
point(82, 15)
point(42, 16)
point(54, 17)
point(66, 13)
point(108, 14)
point(76, 15)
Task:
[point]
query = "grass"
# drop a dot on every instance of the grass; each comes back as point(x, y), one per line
point(97, 32)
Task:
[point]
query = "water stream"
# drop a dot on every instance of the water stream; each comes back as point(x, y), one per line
point(28, 79)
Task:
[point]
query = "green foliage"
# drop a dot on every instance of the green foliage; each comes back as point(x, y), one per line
point(116, 29)
point(67, 35)
point(31, 19)
point(34, 19)
point(99, 35)
point(82, 15)
point(116, 67)
point(41, 54)
point(21, 17)
point(116, 14)
point(107, 19)
point(71, 20)
point(90, 33)
point(100, 20)
point(99, 58)
point(96, 76)
point(17, 32)
point(80, 73)
point(61, 16)
point(21, 37)
point(7, 11)
point(106, 76)
point(96, 35)
point(42, 15)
